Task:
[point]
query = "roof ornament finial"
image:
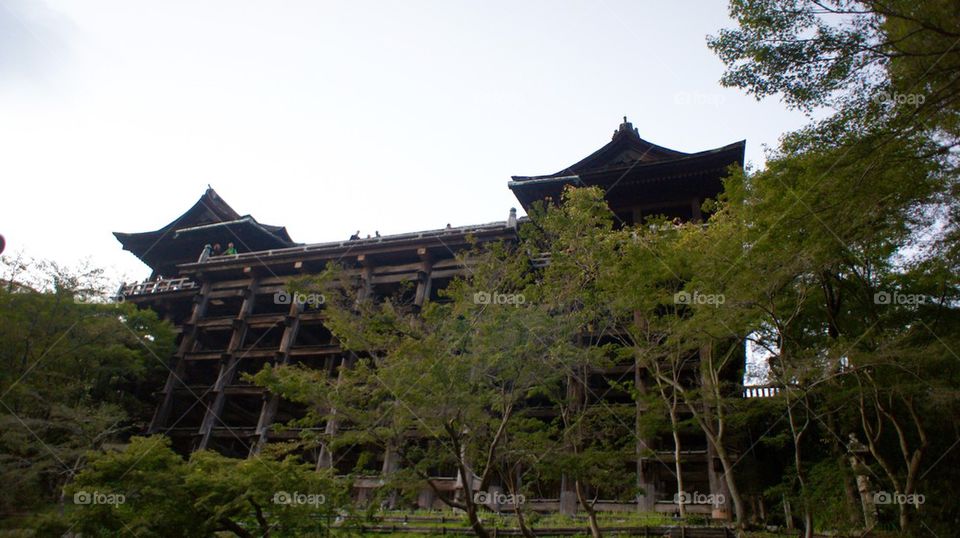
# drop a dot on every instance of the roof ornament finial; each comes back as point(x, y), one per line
point(625, 127)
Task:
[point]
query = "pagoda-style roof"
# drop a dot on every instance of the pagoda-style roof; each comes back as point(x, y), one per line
point(635, 172)
point(210, 220)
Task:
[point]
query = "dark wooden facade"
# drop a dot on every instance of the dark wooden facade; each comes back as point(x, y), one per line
point(208, 221)
point(230, 323)
point(641, 179)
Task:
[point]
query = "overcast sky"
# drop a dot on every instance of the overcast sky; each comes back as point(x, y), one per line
point(326, 117)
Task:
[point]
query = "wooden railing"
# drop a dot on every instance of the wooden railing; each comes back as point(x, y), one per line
point(157, 286)
point(761, 391)
point(541, 260)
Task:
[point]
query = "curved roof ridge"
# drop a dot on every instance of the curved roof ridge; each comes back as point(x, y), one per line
point(626, 147)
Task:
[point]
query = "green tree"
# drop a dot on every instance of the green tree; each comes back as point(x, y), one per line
point(438, 387)
point(148, 490)
point(77, 371)
point(583, 282)
point(863, 206)
point(804, 251)
point(897, 59)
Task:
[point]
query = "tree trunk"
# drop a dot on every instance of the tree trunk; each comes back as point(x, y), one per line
point(911, 458)
point(807, 523)
point(681, 494)
point(787, 513)
point(465, 475)
point(904, 516)
point(475, 522)
point(797, 435)
point(710, 385)
point(522, 522)
point(731, 484)
point(588, 507)
point(512, 487)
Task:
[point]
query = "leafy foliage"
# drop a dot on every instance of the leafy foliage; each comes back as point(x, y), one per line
point(164, 495)
point(76, 372)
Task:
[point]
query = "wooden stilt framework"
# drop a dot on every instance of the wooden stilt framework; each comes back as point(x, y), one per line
point(231, 323)
point(188, 331)
point(235, 325)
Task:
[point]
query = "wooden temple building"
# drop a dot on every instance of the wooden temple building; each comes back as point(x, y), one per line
point(229, 322)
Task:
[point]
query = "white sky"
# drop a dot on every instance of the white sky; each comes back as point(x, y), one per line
point(327, 117)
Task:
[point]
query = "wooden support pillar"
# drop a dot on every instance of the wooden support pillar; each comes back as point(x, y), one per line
point(426, 498)
point(271, 402)
point(568, 496)
point(325, 458)
point(718, 484)
point(366, 291)
point(228, 366)
point(188, 342)
point(391, 462)
point(715, 472)
point(467, 481)
point(695, 210)
point(423, 277)
point(576, 391)
point(647, 499)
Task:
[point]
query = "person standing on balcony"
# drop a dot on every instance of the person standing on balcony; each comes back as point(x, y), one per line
point(230, 249)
